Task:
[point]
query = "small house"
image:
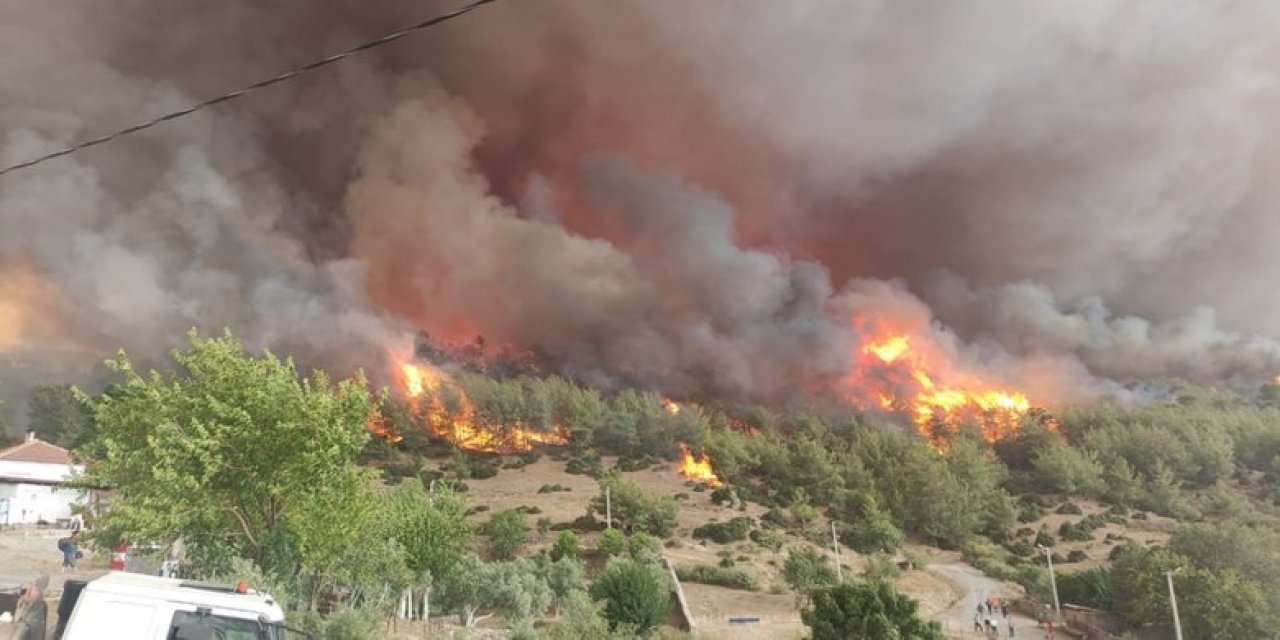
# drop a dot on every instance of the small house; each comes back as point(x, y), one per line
point(34, 484)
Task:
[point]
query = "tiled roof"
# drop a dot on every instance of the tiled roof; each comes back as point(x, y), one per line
point(36, 451)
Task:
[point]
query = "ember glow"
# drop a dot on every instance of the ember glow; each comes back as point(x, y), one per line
point(671, 407)
point(444, 409)
point(911, 376)
point(697, 468)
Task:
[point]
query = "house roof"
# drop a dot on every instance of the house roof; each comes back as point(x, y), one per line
point(34, 450)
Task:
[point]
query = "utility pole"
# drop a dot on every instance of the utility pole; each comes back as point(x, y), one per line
point(835, 548)
point(608, 508)
point(1173, 603)
point(1053, 581)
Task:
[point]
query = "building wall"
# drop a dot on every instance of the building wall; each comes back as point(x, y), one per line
point(30, 503)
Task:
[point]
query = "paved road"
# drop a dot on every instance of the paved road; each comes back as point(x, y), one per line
point(958, 620)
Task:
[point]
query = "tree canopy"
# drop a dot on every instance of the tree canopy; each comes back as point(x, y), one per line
point(239, 454)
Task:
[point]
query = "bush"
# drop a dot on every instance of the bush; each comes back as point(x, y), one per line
point(1089, 588)
point(1077, 555)
point(767, 539)
point(1069, 508)
point(718, 576)
point(725, 532)
point(880, 566)
point(553, 488)
point(1044, 539)
point(613, 542)
point(867, 611)
point(873, 533)
point(583, 466)
point(635, 594)
point(633, 464)
point(565, 546)
point(635, 509)
point(642, 546)
point(508, 533)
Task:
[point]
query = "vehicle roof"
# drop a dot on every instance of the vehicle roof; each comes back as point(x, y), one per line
point(185, 591)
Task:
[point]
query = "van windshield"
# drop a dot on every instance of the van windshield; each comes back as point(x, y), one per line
point(193, 625)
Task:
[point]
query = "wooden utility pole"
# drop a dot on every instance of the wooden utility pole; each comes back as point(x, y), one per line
point(608, 508)
point(835, 548)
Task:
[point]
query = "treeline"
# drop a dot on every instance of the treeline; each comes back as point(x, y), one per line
point(1199, 456)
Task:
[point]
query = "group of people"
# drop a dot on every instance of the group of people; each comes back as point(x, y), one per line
point(987, 621)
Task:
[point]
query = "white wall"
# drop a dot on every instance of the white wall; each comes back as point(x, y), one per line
point(42, 471)
point(29, 503)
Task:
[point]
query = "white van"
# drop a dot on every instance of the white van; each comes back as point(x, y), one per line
point(142, 607)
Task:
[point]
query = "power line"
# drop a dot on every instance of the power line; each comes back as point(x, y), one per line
point(390, 37)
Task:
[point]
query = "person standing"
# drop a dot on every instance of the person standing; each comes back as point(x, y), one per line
point(70, 553)
point(1010, 621)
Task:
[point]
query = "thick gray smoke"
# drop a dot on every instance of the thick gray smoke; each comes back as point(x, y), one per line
point(679, 194)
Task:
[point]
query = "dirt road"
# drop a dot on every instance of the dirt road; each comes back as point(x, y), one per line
point(958, 619)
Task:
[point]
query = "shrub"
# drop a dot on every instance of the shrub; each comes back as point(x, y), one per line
point(725, 532)
point(632, 464)
point(634, 593)
point(867, 611)
point(565, 546)
point(508, 533)
point(642, 546)
point(719, 576)
point(636, 509)
point(1069, 508)
point(767, 539)
point(1044, 539)
point(1077, 555)
point(880, 566)
point(613, 542)
point(553, 488)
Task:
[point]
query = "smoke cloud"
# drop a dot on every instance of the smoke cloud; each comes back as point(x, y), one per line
point(697, 197)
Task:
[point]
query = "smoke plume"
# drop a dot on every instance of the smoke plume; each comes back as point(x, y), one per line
point(703, 198)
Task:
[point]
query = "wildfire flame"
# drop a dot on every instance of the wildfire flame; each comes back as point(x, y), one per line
point(443, 407)
point(671, 407)
point(939, 397)
point(697, 468)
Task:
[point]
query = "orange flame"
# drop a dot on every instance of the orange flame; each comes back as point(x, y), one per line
point(671, 407)
point(902, 373)
point(446, 411)
point(697, 468)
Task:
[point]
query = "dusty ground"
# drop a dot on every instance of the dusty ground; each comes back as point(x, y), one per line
point(711, 606)
point(27, 555)
point(1154, 530)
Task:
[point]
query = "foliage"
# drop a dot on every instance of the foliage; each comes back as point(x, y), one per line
point(583, 619)
point(767, 539)
point(233, 452)
point(565, 546)
point(880, 566)
point(1089, 588)
point(508, 533)
point(613, 542)
point(514, 589)
point(56, 415)
point(806, 571)
point(635, 509)
point(636, 595)
point(867, 611)
point(719, 576)
point(725, 532)
point(1211, 603)
point(873, 532)
point(563, 576)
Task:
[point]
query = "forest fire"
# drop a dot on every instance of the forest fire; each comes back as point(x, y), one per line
point(697, 468)
point(444, 409)
point(908, 375)
point(671, 407)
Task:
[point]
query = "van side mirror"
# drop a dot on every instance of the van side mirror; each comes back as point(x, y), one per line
point(197, 631)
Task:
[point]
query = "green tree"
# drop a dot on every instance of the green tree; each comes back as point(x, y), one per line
point(565, 546)
point(635, 509)
point(230, 452)
point(636, 595)
point(612, 542)
point(564, 576)
point(56, 415)
point(583, 619)
point(806, 571)
point(508, 533)
point(477, 589)
point(873, 532)
point(1060, 467)
point(867, 611)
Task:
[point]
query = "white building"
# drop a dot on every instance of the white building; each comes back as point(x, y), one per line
point(33, 479)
